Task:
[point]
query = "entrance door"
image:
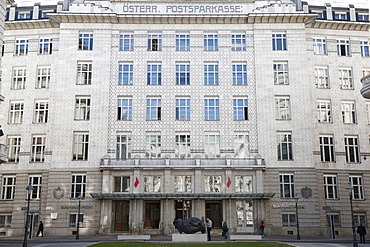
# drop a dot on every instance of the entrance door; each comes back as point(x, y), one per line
point(33, 221)
point(152, 214)
point(214, 212)
point(333, 220)
point(121, 216)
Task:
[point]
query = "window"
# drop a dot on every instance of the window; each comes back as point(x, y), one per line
point(41, 111)
point(352, 149)
point(152, 184)
point(82, 108)
point(13, 144)
point(124, 109)
point(243, 184)
point(126, 42)
point(80, 146)
point(360, 218)
point(43, 77)
point(122, 184)
point(123, 146)
point(364, 48)
point(327, 148)
point(78, 186)
point(182, 42)
point(348, 112)
point(239, 74)
point(358, 188)
point(211, 109)
point(35, 180)
point(322, 77)
point(182, 74)
point(288, 219)
point(154, 42)
point(284, 146)
point(154, 72)
point(362, 17)
point(287, 185)
point(281, 73)
point(38, 148)
point(211, 74)
point(212, 145)
point(240, 106)
point(16, 112)
point(45, 46)
point(5, 220)
point(279, 42)
point(238, 42)
point(212, 183)
point(241, 145)
point(183, 109)
point(345, 78)
point(125, 74)
point(244, 212)
point(319, 46)
point(21, 47)
point(182, 184)
point(85, 41)
point(182, 148)
point(340, 16)
point(282, 107)
point(210, 42)
point(330, 186)
point(8, 188)
point(153, 146)
point(335, 219)
point(368, 111)
point(343, 48)
point(19, 78)
point(323, 111)
point(84, 73)
point(73, 220)
point(153, 109)
point(24, 15)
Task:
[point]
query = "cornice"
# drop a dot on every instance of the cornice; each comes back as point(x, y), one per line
point(340, 25)
point(29, 24)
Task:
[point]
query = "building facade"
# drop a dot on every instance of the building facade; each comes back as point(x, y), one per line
point(142, 113)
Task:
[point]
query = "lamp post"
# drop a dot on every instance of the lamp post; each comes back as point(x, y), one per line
point(349, 187)
point(29, 189)
point(78, 218)
point(296, 197)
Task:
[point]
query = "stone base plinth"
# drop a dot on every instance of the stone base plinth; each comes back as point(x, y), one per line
point(196, 237)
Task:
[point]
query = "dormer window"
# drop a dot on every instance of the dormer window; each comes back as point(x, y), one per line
point(24, 15)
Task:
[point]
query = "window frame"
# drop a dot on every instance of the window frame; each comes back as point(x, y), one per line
point(124, 104)
point(182, 140)
point(210, 73)
point(183, 109)
point(346, 78)
point(45, 46)
point(212, 143)
point(182, 42)
point(281, 72)
point(279, 41)
point(84, 72)
point(155, 42)
point(73, 220)
point(152, 184)
point(322, 77)
point(211, 109)
point(41, 111)
point(182, 73)
point(21, 47)
point(238, 42)
point(282, 107)
point(78, 185)
point(357, 187)
point(123, 146)
point(352, 149)
point(80, 150)
point(348, 112)
point(126, 42)
point(36, 181)
point(327, 148)
point(13, 144)
point(43, 77)
point(154, 74)
point(331, 187)
point(243, 184)
point(85, 41)
point(153, 142)
point(213, 184)
point(38, 146)
point(153, 109)
point(286, 145)
point(239, 72)
point(8, 187)
point(16, 112)
point(240, 109)
point(365, 48)
point(319, 46)
point(343, 47)
point(82, 109)
point(19, 78)
point(287, 185)
point(210, 42)
point(182, 184)
point(323, 107)
point(121, 184)
point(125, 74)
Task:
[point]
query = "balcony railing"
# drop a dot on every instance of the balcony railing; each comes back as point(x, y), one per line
point(3, 158)
point(365, 90)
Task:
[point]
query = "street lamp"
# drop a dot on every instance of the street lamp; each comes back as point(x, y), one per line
point(78, 218)
point(296, 197)
point(349, 187)
point(29, 189)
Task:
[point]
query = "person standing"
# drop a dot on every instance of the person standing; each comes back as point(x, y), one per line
point(209, 227)
point(362, 231)
point(262, 228)
point(225, 230)
point(40, 230)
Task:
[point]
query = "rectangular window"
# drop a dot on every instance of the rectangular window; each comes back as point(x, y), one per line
point(319, 46)
point(19, 78)
point(281, 73)
point(182, 148)
point(154, 42)
point(284, 146)
point(358, 188)
point(21, 47)
point(82, 108)
point(78, 186)
point(182, 184)
point(327, 148)
point(73, 220)
point(331, 186)
point(38, 148)
point(24, 15)
point(345, 78)
point(153, 146)
point(45, 46)
point(368, 111)
point(210, 42)
point(241, 145)
point(182, 42)
point(335, 219)
point(122, 184)
point(125, 74)
point(41, 111)
point(154, 74)
point(211, 109)
point(352, 149)
point(80, 146)
point(182, 74)
point(343, 48)
point(152, 184)
point(126, 42)
point(213, 184)
point(244, 184)
point(13, 144)
point(124, 109)
point(279, 42)
point(364, 48)
point(43, 77)
point(16, 112)
point(35, 180)
point(211, 74)
point(322, 77)
point(239, 74)
point(5, 220)
point(238, 42)
point(288, 219)
point(123, 146)
point(84, 73)
point(323, 111)
point(287, 185)
point(348, 112)
point(340, 16)
point(8, 188)
point(212, 145)
point(183, 109)
point(153, 109)
point(85, 41)
point(363, 17)
point(240, 107)
point(360, 218)
point(282, 107)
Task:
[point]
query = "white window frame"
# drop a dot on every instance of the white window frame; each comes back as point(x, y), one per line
point(5, 220)
point(331, 187)
point(43, 77)
point(82, 108)
point(243, 184)
point(239, 71)
point(126, 42)
point(153, 145)
point(357, 187)
point(182, 184)
point(19, 78)
point(327, 151)
point(38, 148)
point(123, 146)
point(352, 149)
point(240, 109)
point(13, 144)
point(365, 48)
point(153, 109)
point(211, 109)
point(210, 42)
point(323, 108)
point(322, 77)
point(85, 41)
point(154, 42)
point(21, 47)
point(348, 112)
point(80, 146)
point(281, 73)
point(279, 42)
point(124, 109)
point(125, 74)
point(210, 74)
point(238, 42)
point(121, 184)
point(213, 184)
point(284, 146)
point(78, 185)
point(345, 78)
point(182, 42)
point(8, 188)
point(212, 145)
point(36, 181)
point(286, 185)
point(282, 107)
point(182, 145)
point(182, 74)
point(287, 219)
point(45, 46)
point(73, 219)
point(41, 111)
point(154, 74)
point(343, 47)
point(183, 109)
point(152, 184)
point(84, 73)
point(241, 145)
point(319, 46)
point(16, 111)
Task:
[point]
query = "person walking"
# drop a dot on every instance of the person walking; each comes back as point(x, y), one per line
point(209, 227)
point(362, 231)
point(262, 228)
point(40, 230)
point(225, 230)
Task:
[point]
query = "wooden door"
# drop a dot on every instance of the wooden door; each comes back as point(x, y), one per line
point(121, 216)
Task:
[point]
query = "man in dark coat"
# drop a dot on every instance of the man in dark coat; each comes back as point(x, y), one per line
point(40, 230)
point(362, 231)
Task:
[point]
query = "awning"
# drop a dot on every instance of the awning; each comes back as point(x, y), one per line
point(113, 196)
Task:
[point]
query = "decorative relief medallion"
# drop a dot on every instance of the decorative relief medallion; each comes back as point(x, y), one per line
point(306, 192)
point(58, 193)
